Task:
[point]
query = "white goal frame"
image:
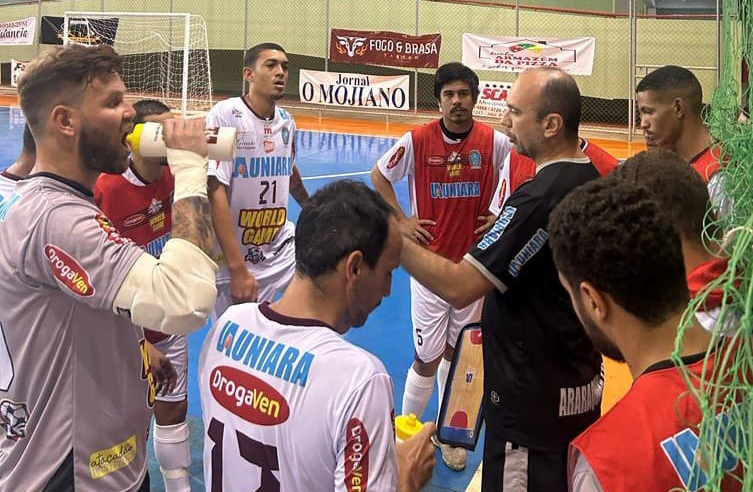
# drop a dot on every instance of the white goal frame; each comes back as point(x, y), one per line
point(183, 17)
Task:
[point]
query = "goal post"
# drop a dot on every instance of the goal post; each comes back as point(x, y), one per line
point(165, 55)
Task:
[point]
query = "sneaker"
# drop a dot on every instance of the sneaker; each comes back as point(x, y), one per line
point(453, 457)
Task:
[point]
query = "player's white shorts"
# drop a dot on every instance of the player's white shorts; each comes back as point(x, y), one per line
point(269, 287)
point(175, 348)
point(435, 322)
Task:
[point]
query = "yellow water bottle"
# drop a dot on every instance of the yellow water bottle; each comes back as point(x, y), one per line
point(407, 426)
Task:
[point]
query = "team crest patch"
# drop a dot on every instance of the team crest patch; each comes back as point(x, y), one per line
point(236, 113)
point(68, 271)
point(13, 418)
point(475, 158)
point(399, 153)
point(285, 135)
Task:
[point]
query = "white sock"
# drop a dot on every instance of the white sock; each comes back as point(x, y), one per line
point(173, 454)
point(417, 392)
point(442, 372)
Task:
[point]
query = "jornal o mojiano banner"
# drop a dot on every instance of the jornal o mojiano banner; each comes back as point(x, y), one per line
point(516, 54)
point(354, 90)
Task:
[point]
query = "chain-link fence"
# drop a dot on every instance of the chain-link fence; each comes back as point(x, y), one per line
point(628, 41)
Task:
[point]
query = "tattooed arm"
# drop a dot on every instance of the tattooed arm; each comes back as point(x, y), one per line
point(176, 293)
point(193, 222)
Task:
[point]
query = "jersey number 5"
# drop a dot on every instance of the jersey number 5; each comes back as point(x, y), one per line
point(262, 455)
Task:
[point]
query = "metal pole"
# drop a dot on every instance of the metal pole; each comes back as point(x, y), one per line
point(415, 72)
point(517, 18)
point(186, 37)
point(632, 57)
point(102, 5)
point(718, 41)
point(39, 25)
point(245, 42)
point(327, 35)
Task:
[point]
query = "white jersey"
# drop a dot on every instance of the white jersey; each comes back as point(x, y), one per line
point(7, 185)
point(290, 405)
point(258, 185)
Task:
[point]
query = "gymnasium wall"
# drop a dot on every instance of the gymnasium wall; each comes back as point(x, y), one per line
point(301, 26)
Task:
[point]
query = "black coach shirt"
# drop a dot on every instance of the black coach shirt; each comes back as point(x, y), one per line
point(542, 376)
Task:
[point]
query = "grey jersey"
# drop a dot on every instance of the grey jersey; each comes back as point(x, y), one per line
point(71, 372)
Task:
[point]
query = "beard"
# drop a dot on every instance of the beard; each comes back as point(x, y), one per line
point(602, 343)
point(598, 338)
point(99, 152)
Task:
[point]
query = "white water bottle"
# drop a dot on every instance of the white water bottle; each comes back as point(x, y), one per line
point(147, 140)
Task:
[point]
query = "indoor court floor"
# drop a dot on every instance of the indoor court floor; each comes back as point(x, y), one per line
point(330, 149)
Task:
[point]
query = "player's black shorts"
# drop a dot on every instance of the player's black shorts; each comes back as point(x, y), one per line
point(509, 467)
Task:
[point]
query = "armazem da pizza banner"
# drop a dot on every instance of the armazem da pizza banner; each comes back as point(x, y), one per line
point(18, 32)
point(354, 90)
point(385, 48)
point(516, 54)
point(492, 99)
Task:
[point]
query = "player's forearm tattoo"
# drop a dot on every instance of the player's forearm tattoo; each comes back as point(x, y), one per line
point(193, 222)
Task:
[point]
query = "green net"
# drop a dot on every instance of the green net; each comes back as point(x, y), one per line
point(725, 392)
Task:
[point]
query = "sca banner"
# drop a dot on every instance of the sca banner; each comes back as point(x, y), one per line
point(354, 90)
point(514, 54)
point(18, 32)
point(492, 99)
point(385, 48)
point(16, 69)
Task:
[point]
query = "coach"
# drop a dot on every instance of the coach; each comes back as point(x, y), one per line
point(543, 377)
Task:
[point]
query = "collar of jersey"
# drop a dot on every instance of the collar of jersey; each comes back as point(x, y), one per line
point(265, 120)
point(575, 160)
point(68, 182)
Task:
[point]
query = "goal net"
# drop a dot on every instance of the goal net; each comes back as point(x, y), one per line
point(165, 56)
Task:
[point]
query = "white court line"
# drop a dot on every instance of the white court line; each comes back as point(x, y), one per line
point(342, 175)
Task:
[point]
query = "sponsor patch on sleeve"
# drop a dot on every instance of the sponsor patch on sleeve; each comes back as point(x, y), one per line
point(396, 156)
point(68, 271)
point(498, 228)
point(356, 456)
point(113, 235)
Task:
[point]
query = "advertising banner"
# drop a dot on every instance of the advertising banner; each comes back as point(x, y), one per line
point(18, 32)
point(492, 99)
point(516, 54)
point(354, 90)
point(385, 48)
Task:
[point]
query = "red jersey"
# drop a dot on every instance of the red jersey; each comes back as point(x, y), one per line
point(141, 212)
point(648, 440)
point(450, 183)
point(707, 163)
point(523, 168)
